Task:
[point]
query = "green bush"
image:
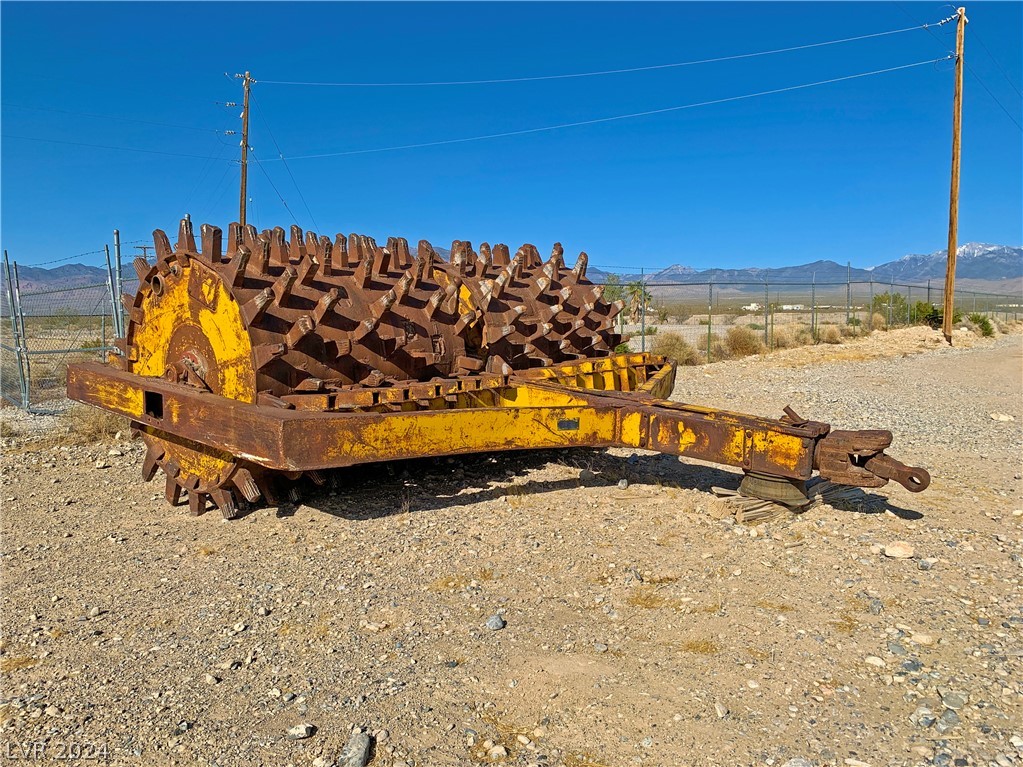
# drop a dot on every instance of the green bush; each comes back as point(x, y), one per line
point(983, 324)
point(934, 316)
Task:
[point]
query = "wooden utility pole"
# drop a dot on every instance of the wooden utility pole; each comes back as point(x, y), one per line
point(246, 86)
point(953, 202)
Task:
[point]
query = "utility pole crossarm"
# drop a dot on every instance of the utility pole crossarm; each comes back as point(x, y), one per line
point(953, 203)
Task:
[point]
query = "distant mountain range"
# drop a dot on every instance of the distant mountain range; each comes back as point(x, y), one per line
point(996, 268)
point(976, 262)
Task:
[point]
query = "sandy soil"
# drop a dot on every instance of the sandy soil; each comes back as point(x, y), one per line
point(639, 628)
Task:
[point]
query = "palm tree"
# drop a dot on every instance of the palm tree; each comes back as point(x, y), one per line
point(639, 297)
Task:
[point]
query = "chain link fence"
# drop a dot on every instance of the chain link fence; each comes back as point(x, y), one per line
point(42, 331)
point(779, 313)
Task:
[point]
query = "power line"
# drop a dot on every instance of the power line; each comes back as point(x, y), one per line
point(286, 166)
point(992, 95)
point(611, 71)
point(215, 193)
point(104, 146)
point(971, 70)
point(111, 117)
point(207, 167)
point(279, 195)
point(974, 35)
point(622, 117)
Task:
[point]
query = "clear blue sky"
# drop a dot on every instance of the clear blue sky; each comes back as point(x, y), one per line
point(856, 170)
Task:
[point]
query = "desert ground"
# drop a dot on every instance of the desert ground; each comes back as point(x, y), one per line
point(637, 623)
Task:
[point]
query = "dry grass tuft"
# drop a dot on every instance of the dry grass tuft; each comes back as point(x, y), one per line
point(675, 347)
point(700, 647)
point(777, 607)
point(459, 582)
point(878, 322)
point(86, 425)
point(648, 598)
point(9, 431)
point(744, 341)
point(791, 336)
point(17, 662)
point(717, 350)
point(830, 334)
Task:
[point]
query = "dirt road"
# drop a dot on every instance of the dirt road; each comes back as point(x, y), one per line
point(639, 629)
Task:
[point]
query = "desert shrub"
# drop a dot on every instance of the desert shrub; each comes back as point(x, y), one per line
point(791, 336)
point(754, 326)
point(743, 342)
point(675, 347)
point(716, 351)
point(622, 349)
point(662, 315)
point(934, 316)
point(856, 322)
point(1001, 326)
point(851, 331)
point(830, 334)
point(878, 322)
point(649, 330)
point(898, 303)
point(982, 325)
point(86, 424)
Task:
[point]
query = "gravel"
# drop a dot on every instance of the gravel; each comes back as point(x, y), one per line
point(638, 616)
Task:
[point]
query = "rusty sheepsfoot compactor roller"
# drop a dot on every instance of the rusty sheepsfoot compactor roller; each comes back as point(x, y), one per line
point(250, 363)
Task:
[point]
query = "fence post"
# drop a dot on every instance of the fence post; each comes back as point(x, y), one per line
point(642, 311)
point(767, 310)
point(710, 314)
point(813, 305)
point(891, 295)
point(15, 330)
point(26, 382)
point(848, 290)
point(118, 287)
point(111, 288)
point(870, 308)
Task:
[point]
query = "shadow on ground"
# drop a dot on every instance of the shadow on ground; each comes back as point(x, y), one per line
point(397, 487)
point(373, 491)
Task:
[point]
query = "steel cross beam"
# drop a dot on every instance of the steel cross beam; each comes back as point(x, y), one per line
point(524, 414)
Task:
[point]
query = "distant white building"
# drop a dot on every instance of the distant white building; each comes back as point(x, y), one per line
point(752, 307)
point(792, 307)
